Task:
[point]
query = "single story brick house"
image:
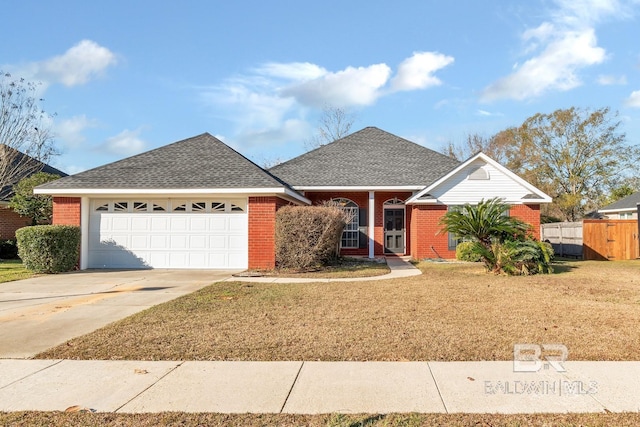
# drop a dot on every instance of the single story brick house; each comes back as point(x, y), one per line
point(198, 203)
point(10, 221)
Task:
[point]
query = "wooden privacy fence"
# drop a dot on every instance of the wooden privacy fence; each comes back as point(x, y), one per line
point(610, 239)
point(565, 237)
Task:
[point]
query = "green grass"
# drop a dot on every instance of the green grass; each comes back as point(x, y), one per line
point(13, 269)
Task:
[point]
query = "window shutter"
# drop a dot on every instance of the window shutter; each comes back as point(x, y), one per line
point(363, 241)
point(363, 218)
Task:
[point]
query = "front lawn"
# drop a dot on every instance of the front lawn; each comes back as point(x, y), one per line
point(452, 312)
point(324, 420)
point(12, 269)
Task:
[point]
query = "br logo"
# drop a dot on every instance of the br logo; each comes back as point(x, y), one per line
point(533, 357)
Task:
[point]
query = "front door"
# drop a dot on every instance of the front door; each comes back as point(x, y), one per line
point(394, 231)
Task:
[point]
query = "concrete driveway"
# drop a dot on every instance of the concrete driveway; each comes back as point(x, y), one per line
point(42, 312)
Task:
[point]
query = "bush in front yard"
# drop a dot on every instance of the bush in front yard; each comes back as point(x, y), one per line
point(465, 252)
point(307, 236)
point(49, 248)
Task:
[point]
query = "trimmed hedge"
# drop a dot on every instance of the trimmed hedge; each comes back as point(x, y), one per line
point(307, 236)
point(49, 248)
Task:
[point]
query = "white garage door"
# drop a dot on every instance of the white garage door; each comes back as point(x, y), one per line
point(168, 234)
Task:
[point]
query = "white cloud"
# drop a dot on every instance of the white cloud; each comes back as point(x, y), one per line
point(296, 71)
point(485, 113)
point(70, 130)
point(560, 48)
point(554, 68)
point(126, 143)
point(633, 100)
point(78, 65)
point(608, 80)
point(349, 87)
point(417, 71)
point(271, 102)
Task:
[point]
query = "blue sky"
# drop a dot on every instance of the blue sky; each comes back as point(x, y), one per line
point(124, 77)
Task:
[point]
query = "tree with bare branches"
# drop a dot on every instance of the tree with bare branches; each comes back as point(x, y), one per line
point(26, 140)
point(335, 123)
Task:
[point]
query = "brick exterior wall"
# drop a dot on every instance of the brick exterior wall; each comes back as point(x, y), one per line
point(426, 243)
point(529, 214)
point(262, 231)
point(10, 221)
point(66, 211)
point(361, 198)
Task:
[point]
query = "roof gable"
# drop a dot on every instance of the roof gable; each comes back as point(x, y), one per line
point(368, 158)
point(629, 203)
point(200, 162)
point(478, 178)
point(25, 163)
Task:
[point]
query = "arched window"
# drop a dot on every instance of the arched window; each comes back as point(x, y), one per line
point(394, 202)
point(350, 235)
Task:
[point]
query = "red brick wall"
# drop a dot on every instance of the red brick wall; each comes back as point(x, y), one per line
point(262, 231)
point(425, 240)
point(66, 211)
point(426, 243)
point(10, 221)
point(361, 198)
point(529, 214)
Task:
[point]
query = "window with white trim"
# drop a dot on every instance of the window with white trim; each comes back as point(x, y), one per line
point(351, 233)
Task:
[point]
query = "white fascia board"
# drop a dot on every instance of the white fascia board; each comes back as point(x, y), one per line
point(543, 199)
point(170, 192)
point(361, 188)
point(617, 210)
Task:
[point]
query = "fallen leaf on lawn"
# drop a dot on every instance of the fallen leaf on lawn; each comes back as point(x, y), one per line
point(471, 379)
point(141, 371)
point(78, 408)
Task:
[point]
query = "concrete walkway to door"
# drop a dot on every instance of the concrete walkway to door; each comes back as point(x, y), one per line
point(45, 311)
point(399, 266)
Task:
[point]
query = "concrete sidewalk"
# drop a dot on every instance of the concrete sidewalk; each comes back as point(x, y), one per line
point(317, 387)
point(399, 266)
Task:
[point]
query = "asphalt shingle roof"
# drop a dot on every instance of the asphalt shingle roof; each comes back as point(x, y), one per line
point(35, 166)
point(200, 162)
point(369, 157)
point(631, 201)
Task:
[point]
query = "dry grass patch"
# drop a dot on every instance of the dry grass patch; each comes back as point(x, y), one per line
point(322, 420)
point(341, 269)
point(452, 312)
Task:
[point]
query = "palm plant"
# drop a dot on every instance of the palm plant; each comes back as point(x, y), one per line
point(484, 222)
point(499, 240)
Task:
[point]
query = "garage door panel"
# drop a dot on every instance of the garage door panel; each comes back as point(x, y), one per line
point(198, 224)
point(238, 223)
point(198, 242)
point(140, 223)
point(121, 223)
point(178, 242)
point(160, 223)
point(168, 240)
point(237, 242)
point(178, 222)
point(140, 242)
point(218, 242)
point(158, 241)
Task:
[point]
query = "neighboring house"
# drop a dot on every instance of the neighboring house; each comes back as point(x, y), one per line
point(10, 221)
point(197, 203)
point(625, 208)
